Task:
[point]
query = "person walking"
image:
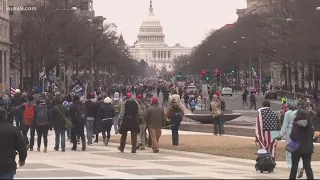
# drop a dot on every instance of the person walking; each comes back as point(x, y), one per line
point(17, 101)
point(78, 116)
point(117, 107)
point(142, 124)
point(67, 103)
point(28, 110)
point(285, 134)
point(92, 110)
point(156, 120)
point(175, 113)
point(176, 97)
point(97, 121)
point(253, 101)
point(106, 113)
point(59, 117)
point(216, 112)
point(245, 97)
point(302, 133)
point(267, 128)
point(129, 117)
point(43, 124)
point(165, 94)
point(11, 141)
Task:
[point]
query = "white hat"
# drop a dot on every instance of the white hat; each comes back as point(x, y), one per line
point(116, 96)
point(107, 100)
point(17, 91)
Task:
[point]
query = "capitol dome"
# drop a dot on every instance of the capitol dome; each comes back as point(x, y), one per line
point(151, 31)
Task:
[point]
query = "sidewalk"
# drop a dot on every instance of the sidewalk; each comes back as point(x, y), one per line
point(102, 162)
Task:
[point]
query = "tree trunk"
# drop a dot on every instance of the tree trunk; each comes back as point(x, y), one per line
point(285, 77)
point(27, 68)
point(296, 77)
point(303, 77)
point(32, 69)
point(21, 67)
point(310, 74)
point(290, 76)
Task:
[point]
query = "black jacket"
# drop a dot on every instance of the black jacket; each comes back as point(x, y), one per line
point(59, 113)
point(11, 142)
point(106, 111)
point(302, 131)
point(92, 108)
point(17, 100)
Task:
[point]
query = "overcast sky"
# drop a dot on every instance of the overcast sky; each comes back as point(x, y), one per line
point(184, 21)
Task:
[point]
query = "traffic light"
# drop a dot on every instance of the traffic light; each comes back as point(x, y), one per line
point(252, 68)
point(208, 76)
point(180, 74)
point(218, 74)
point(202, 75)
point(232, 71)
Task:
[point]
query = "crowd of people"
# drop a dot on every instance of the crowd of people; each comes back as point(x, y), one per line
point(71, 115)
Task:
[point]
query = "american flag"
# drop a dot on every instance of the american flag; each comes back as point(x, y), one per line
point(42, 74)
point(12, 87)
point(267, 129)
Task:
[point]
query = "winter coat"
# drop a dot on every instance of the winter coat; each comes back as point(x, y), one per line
point(11, 141)
point(59, 113)
point(302, 131)
point(130, 115)
point(17, 100)
point(92, 108)
point(105, 117)
point(155, 117)
point(143, 108)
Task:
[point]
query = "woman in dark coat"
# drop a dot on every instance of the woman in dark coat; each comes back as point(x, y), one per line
point(97, 121)
point(302, 132)
point(106, 113)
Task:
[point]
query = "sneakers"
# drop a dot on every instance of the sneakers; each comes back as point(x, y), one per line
point(45, 150)
point(56, 149)
point(121, 150)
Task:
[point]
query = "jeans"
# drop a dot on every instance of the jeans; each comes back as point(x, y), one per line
point(253, 104)
point(123, 140)
point(7, 175)
point(42, 131)
point(77, 130)
point(155, 136)
point(115, 123)
point(19, 119)
point(218, 125)
point(60, 133)
point(175, 132)
point(25, 135)
point(142, 135)
point(69, 133)
point(306, 159)
point(89, 128)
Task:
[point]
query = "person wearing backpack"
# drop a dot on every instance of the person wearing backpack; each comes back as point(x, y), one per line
point(117, 107)
point(175, 113)
point(78, 116)
point(28, 110)
point(43, 124)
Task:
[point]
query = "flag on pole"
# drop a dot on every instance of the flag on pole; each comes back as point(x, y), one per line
point(77, 87)
point(12, 87)
point(42, 74)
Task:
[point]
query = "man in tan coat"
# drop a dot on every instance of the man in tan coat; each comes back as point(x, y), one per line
point(155, 119)
point(216, 112)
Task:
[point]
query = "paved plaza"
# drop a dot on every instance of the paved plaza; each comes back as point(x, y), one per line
point(101, 162)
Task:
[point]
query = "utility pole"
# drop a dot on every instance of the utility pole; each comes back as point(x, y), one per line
point(21, 66)
point(250, 70)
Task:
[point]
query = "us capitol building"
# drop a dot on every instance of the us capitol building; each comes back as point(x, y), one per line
point(151, 46)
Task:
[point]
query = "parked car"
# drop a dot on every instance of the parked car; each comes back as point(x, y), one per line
point(271, 95)
point(192, 89)
point(226, 91)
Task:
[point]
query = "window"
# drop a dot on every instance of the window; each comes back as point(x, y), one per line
point(161, 54)
point(169, 54)
point(165, 54)
point(5, 31)
point(5, 66)
point(84, 6)
point(158, 54)
point(1, 31)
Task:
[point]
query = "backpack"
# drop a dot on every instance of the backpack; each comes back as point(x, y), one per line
point(116, 107)
point(42, 116)
point(176, 115)
point(80, 113)
point(28, 114)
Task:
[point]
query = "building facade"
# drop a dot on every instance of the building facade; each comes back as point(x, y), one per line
point(151, 46)
point(4, 46)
